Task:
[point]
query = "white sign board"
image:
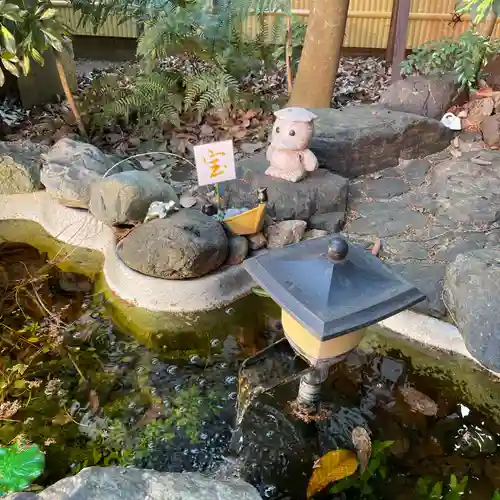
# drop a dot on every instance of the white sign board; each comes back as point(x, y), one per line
point(215, 162)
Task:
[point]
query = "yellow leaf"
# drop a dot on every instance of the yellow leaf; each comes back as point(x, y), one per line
point(333, 466)
point(61, 419)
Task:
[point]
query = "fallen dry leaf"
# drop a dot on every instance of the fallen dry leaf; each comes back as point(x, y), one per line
point(156, 411)
point(333, 466)
point(61, 419)
point(363, 445)
point(93, 400)
point(418, 401)
point(377, 247)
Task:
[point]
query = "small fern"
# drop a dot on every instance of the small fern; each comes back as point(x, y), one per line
point(214, 37)
point(154, 97)
point(210, 89)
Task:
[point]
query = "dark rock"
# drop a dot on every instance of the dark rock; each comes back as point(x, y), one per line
point(112, 483)
point(238, 250)
point(458, 243)
point(71, 282)
point(469, 440)
point(473, 441)
point(456, 210)
point(469, 142)
point(428, 278)
point(472, 295)
point(415, 171)
point(400, 249)
point(20, 164)
point(332, 222)
point(385, 219)
point(188, 244)
point(285, 233)
point(385, 187)
point(320, 192)
point(464, 191)
point(364, 139)
point(490, 127)
point(124, 198)
point(419, 95)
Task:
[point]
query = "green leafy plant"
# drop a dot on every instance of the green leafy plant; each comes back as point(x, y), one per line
point(427, 490)
point(361, 485)
point(28, 29)
point(463, 57)
point(20, 465)
point(214, 43)
point(479, 9)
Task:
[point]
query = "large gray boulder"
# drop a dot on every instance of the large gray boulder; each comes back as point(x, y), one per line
point(364, 139)
point(188, 244)
point(321, 191)
point(425, 96)
point(113, 483)
point(125, 197)
point(20, 167)
point(472, 296)
point(69, 170)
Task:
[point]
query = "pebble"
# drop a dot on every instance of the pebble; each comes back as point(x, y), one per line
point(187, 201)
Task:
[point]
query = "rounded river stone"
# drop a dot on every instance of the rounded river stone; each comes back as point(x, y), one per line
point(188, 244)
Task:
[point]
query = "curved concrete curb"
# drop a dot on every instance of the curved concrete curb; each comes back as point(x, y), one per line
point(79, 228)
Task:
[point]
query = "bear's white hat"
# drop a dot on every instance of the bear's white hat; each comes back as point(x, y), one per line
point(295, 114)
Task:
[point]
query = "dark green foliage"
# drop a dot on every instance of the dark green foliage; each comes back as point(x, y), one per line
point(479, 9)
point(429, 491)
point(155, 98)
point(463, 56)
point(27, 29)
point(214, 45)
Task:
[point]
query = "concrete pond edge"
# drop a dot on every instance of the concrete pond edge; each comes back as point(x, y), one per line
point(79, 228)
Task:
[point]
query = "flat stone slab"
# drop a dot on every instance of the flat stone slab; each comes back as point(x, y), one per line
point(320, 192)
point(359, 140)
point(427, 212)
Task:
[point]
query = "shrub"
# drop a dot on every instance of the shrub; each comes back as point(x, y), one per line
point(464, 56)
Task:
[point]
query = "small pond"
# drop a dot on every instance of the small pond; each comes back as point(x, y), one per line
point(90, 392)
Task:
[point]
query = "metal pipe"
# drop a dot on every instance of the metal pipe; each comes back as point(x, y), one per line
point(310, 386)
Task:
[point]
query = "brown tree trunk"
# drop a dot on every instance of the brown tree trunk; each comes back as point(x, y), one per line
point(315, 80)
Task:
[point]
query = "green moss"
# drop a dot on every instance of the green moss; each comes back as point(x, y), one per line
point(459, 376)
point(68, 258)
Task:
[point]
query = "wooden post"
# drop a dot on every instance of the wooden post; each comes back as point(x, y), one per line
point(401, 34)
point(389, 52)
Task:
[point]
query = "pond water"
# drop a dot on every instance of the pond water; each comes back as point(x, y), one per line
point(90, 393)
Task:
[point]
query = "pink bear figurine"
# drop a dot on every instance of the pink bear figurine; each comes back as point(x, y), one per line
point(287, 154)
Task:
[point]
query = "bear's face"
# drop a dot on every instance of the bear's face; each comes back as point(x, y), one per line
point(291, 135)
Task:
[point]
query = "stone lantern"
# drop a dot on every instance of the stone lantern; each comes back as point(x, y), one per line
point(329, 291)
